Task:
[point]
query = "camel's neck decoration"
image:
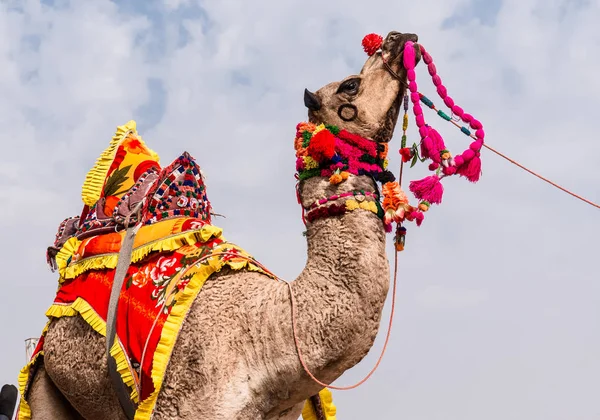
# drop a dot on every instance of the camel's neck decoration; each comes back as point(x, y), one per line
point(329, 151)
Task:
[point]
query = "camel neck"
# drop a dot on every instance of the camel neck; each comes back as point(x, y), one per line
point(343, 287)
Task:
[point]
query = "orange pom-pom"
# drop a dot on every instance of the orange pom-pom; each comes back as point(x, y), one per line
point(336, 179)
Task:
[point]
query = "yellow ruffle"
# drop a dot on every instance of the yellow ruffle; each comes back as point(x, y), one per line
point(95, 178)
point(308, 412)
point(69, 270)
point(24, 409)
point(200, 273)
point(81, 307)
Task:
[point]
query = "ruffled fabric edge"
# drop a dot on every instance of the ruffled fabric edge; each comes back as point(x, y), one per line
point(24, 412)
point(174, 321)
point(69, 270)
point(329, 409)
point(81, 307)
point(95, 178)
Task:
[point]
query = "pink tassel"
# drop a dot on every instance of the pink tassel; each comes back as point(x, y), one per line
point(419, 216)
point(427, 147)
point(429, 189)
point(388, 227)
point(449, 170)
point(471, 170)
point(438, 145)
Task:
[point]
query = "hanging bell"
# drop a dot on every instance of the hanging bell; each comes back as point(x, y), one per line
point(400, 238)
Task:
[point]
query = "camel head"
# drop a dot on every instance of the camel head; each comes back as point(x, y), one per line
point(366, 104)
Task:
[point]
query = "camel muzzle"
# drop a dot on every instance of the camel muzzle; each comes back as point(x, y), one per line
point(311, 100)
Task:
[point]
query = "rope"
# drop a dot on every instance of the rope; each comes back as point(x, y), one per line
point(541, 177)
point(591, 203)
point(385, 344)
point(294, 324)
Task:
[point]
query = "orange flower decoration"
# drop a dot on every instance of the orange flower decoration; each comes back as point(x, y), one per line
point(134, 146)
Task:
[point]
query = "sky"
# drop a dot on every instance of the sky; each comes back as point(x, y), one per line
point(498, 312)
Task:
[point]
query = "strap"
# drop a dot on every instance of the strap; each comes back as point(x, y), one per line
point(123, 263)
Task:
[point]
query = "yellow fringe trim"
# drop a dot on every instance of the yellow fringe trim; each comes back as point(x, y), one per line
point(308, 412)
point(173, 323)
point(95, 178)
point(24, 409)
point(81, 307)
point(69, 270)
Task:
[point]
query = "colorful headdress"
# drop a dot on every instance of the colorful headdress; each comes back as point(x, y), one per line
point(116, 171)
point(180, 191)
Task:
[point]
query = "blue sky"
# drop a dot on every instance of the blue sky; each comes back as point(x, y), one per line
point(505, 326)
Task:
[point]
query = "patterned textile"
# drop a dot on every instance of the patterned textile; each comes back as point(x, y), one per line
point(157, 294)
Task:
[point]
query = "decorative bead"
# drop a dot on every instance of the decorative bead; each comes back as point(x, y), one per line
point(458, 160)
point(433, 166)
point(476, 125)
point(475, 146)
point(436, 80)
point(444, 115)
point(417, 110)
point(415, 97)
point(423, 131)
point(442, 91)
point(458, 111)
point(480, 134)
point(412, 86)
point(432, 69)
point(465, 130)
point(426, 57)
point(467, 118)
point(449, 102)
point(420, 120)
point(427, 101)
point(411, 75)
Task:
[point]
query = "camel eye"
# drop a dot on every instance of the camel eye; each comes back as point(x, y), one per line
point(349, 87)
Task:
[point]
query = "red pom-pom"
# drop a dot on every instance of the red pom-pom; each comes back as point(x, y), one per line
point(371, 43)
point(322, 146)
point(406, 154)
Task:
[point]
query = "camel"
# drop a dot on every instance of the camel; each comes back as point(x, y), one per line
point(235, 356)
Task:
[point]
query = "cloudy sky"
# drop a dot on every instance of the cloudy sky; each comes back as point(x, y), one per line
point(499, 296)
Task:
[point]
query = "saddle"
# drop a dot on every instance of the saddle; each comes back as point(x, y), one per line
point(142, 231)
point(127, 186)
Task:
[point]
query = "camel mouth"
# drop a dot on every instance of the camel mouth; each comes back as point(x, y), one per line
point(392, 49)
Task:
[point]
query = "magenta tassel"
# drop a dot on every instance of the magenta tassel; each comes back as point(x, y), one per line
point(427, 147)
point(429, 189)
point(418, 216)
point(471, 170)
point(438, 145)
point(388, 227)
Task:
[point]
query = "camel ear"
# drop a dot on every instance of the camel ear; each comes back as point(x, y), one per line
point(371, 63)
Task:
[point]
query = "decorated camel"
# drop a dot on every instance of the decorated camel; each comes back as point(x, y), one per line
point(197, 328)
